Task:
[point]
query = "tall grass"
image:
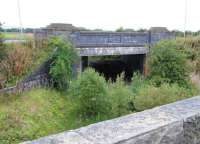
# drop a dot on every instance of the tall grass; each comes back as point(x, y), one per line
point(21, 59)
point(32, 115)
point(151, 96)
point(121, 97)
point(90, 99)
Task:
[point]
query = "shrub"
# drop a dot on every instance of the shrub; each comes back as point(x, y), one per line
point(167, 64)
point(189, 46)
point(2, 46)
point(16, 63)
point(121, 98)
point(61, 67)
point(120, 29)
point(91, 94)
point(152, 96)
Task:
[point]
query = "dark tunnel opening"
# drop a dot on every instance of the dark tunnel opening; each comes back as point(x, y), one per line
point(112, 66)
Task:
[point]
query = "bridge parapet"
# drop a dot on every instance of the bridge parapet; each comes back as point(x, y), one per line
point(117, 39)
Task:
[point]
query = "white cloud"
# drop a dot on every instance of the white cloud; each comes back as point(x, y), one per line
point(104, 14)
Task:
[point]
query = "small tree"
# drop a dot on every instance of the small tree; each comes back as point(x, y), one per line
point(91, 94)
point(61, 68)
point(2, 47)
point(168, 64)
point(120, 29)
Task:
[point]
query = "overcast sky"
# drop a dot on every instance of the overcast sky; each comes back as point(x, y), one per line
point(103, 14)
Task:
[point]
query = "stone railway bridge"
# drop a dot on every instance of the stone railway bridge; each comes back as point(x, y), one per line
point(131, 48)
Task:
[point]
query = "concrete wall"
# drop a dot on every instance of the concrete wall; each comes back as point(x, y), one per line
point(176, 123)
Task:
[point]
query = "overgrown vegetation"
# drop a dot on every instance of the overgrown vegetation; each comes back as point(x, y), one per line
point(31, 115)
point(2, 48)
point(148, 95)
point(19, 60)
point(168, 64)
point(16, 63)
point(91, 94)
point(90, 98)
point(121, 97)
point(191, 48)
point(61, 68)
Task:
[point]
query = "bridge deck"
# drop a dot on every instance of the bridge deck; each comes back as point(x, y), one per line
point(115, 43)
point(117, 39)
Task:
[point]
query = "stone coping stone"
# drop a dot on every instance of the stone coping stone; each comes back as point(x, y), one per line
point(161, 125)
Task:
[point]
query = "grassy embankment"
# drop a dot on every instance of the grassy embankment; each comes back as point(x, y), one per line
point(41, 112)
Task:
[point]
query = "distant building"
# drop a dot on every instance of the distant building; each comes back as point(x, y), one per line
point(55, 29)
point(61, 26)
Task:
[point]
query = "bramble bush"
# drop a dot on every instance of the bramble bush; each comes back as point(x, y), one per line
point(63, 59)
point(168, 64)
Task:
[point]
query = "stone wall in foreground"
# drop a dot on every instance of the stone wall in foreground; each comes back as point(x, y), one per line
point(176, 123)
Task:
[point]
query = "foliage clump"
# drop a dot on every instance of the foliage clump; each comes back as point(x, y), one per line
point(122, 98)
point(150, 96)
point(168, 64)
point(2, 46)
point(90, 92)
point(16, 63)
point(190, 46)
point(63, 58)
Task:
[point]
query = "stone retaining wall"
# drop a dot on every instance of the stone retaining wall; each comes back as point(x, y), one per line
point(176, 123)
point(38, 81)
point(39, 78)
